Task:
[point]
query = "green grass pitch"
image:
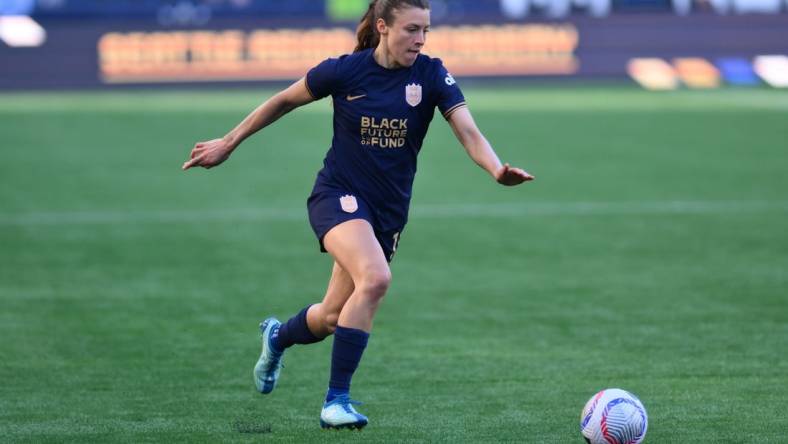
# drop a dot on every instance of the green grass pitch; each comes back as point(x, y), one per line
point(650, 254)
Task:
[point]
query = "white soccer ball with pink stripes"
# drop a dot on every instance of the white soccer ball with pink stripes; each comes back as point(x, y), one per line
point(614, 416)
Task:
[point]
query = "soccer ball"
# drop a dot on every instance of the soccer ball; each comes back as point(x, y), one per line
point(614, 416)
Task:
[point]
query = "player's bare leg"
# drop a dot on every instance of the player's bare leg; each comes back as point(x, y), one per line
point(356, 250)
point(322, 317)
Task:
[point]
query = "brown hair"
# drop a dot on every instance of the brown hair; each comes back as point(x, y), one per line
point(367, 33)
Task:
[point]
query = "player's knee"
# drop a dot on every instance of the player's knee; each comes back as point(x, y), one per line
point(330, 322)
point(375, 283)
point(323, 320)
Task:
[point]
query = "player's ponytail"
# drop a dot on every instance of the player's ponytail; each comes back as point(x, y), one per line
point(366, 35)
point(366, 32)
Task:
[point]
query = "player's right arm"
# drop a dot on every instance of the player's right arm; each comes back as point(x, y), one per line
point(213, 152)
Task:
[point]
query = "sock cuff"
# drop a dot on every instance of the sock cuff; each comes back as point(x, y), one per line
point(353, 336)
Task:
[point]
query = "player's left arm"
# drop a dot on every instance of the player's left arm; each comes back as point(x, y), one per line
point(480, 150)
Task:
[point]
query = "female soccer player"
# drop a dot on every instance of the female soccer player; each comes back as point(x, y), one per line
point(384, 94)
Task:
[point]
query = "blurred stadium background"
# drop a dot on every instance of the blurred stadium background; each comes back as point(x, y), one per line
point(660, 43)
point(650, 254)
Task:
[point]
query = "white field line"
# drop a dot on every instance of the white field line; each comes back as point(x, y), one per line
point(421, 211)
point(478, 100)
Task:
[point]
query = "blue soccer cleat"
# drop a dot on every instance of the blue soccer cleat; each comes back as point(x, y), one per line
point(266, 371)
point(340, 414)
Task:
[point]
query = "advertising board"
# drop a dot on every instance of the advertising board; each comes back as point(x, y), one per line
point(101, 53)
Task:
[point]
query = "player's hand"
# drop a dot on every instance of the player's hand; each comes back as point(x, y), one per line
point(208, 154)
point(510, 176)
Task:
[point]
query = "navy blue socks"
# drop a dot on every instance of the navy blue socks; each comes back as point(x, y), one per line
point(294, 331)
point(349, 345)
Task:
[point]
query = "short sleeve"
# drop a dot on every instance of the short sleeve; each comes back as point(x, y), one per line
point(321, 80)
point(450, 96)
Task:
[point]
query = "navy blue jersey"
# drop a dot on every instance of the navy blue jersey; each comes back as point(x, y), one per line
point(381, 117)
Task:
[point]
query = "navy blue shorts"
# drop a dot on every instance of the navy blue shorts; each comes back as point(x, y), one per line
point(329, 208)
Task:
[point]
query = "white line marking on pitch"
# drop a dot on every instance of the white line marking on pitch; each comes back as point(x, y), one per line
point(419, 211)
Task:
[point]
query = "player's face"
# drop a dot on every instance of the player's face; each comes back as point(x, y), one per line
point(406, 36)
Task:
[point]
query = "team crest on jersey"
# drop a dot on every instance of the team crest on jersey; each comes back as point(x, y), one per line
point(413, 94)
point(349, 203)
